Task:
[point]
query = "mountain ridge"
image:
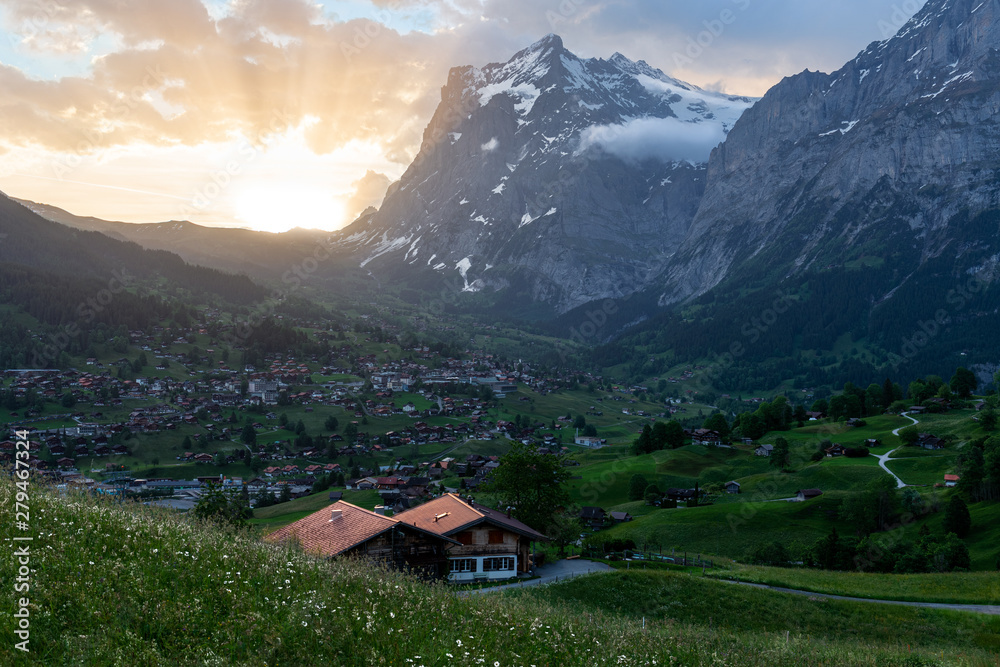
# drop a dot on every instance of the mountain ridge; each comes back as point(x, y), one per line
point(262, 255)
point(895, 114)
point(518, 187)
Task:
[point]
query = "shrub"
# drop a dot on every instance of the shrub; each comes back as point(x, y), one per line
point(774, 554)
point(652, 494)
point(637, 487)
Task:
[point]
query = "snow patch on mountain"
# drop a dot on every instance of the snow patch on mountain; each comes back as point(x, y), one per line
point(387, 246)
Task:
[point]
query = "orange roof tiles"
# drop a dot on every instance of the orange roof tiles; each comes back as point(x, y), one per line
point(318, 534)
point(449, 514)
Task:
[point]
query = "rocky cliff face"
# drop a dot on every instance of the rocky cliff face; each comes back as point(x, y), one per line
point(536, 178)
point(883, 158)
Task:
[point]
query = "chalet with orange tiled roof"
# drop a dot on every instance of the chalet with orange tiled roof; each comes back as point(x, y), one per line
point(492, 544)
point(343, 529)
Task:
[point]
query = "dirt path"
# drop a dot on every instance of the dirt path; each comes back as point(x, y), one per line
point(885, 458)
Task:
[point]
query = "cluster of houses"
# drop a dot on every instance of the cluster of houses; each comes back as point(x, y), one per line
point(182, 493)
point(596, 518)
point(201, 402)
point(62, 456)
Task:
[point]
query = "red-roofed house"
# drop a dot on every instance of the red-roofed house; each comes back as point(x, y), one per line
point(345, 529)
point(492, 545)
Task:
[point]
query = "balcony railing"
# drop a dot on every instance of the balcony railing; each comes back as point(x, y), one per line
point(483, 550)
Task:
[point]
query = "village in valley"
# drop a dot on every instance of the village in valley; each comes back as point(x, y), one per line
point(348, 449)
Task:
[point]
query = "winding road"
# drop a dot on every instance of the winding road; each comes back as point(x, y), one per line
point(885, 458)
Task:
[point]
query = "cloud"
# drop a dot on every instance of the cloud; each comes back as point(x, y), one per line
point(238, 69)
point(257, 69)
point(663, 139)
point(283, 17)
point(369, 191)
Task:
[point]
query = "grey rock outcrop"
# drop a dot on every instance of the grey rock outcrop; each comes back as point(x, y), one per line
point(883, 153)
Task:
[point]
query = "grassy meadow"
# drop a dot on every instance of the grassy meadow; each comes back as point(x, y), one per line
point(124, 584)
point(679, 600)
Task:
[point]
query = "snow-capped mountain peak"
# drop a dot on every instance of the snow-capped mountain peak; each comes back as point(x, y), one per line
point(599, 161)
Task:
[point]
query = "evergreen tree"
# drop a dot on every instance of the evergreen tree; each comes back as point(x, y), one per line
point(718, 422)
point(674, 434)
point(637, 487)
point(780, 455)
point(800, 415)
point(249, 435)
point(215, 505)
point(964, 382)
point(644, 444)
point(957, 518)
point(888, 393)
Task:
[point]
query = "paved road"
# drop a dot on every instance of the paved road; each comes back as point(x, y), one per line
point(566, 569)
point(976, 608)
point(551, 573)
point(885, 458)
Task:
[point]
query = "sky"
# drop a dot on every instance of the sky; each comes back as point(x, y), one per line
point(272, 114)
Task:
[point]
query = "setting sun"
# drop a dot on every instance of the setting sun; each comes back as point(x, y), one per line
point(284, 206)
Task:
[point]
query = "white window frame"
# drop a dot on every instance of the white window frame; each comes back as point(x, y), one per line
point(506, 564)
point(464, 565)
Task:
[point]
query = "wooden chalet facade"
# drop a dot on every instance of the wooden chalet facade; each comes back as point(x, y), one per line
point(928, 441)
point(489, 544)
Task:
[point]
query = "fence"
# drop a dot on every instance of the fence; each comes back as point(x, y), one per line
point(633, 555)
